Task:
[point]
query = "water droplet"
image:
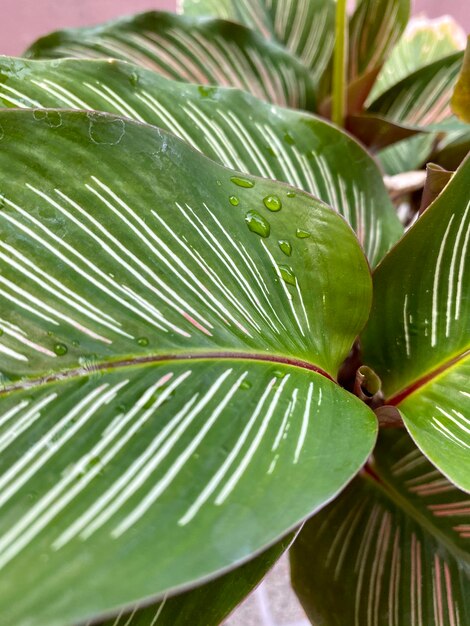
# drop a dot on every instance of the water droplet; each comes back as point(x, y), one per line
point(287, 274)
point(302, 234)
point(285, 247)
point(143, 341)
point(52, 118)
point(289, 139)
point(219, 183)
point(291, 194)
point(206, 92)
point(245, 385)
point(257, 224)
point(273, 203)
point(279, 374)
point(234, 200)
point(242, 182)
point(105, 130)
point(134, 79)
point(60, 349)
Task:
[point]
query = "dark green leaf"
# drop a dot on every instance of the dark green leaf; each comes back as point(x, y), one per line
point(418, 335)
point(206, 51)
point(167, 410)
point(395, 549)
point(228, 126)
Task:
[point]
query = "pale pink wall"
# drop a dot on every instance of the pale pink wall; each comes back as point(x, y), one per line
point(22, 21)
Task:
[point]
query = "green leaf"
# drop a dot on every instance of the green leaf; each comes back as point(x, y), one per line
point(206, 51)
point(423, 42)
point(167, 407)
point(229, 126)
point(418, 335)
point(461, 96)
point(395, 549)
point(375, 27)
point(420, 99)
point(304, 27)
point(209, 604)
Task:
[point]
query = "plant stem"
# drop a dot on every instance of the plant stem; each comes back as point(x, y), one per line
point(340, 64)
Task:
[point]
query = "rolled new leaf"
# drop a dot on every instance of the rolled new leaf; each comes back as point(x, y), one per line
point(395, 547)
point(168, 363)
point(418, 335)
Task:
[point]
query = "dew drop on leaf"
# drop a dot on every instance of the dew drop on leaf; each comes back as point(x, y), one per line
point(143, 341)
point(60, 349)
point(291, 194)
point(273, 203)
point(278, 374)
point(134, 79)
point(245, 384)
point(285, 247)
point(287, 274)
point(257, 224)
point(234, 200)
point(302, 234)
point(242, 182)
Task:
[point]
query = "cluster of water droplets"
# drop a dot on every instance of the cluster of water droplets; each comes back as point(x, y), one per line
point(259, 224)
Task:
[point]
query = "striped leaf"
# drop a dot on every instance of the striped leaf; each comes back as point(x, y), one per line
point(420, 99)
point(304, 27)
point(167, 400)
point(418, 335)
point(228, 126)
point(395, 550)
point(423, 42)
point(207, 605)
point(374, 29)
point(188, 49)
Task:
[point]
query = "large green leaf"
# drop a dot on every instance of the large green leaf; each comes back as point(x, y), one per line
point(375, 27)
point(423, 42)
point(208, 604)
point(394, 549)
point(418, 335)
point(305, 27)
point(228, 126)
point(167, 408)
point(188, 49)
point(461, 96)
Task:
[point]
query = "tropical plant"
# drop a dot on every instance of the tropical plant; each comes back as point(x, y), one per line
point(196, 356)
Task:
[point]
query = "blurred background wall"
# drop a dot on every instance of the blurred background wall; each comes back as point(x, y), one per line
point(22, 21)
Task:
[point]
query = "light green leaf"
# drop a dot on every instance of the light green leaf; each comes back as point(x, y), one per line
point(207, 605)
point(228, 126)
point(205, 51)
point(396, 550)
point(423, 42)
point(461, 96)
point(167, 404)
point(420, 99)
point(305, 27)
point(418, 335)
point(375, 27)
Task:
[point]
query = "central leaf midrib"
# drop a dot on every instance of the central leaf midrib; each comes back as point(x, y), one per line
point(103, 366)
point(418, 383)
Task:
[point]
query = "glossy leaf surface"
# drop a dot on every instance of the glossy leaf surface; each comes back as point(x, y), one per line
point(375, 27)
point(305, 27)
point(209, 604)
point(418, 335)
point(228, 126)
point(396, 551)
point(164, 415)
point(188, 49)
point(423, 42)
